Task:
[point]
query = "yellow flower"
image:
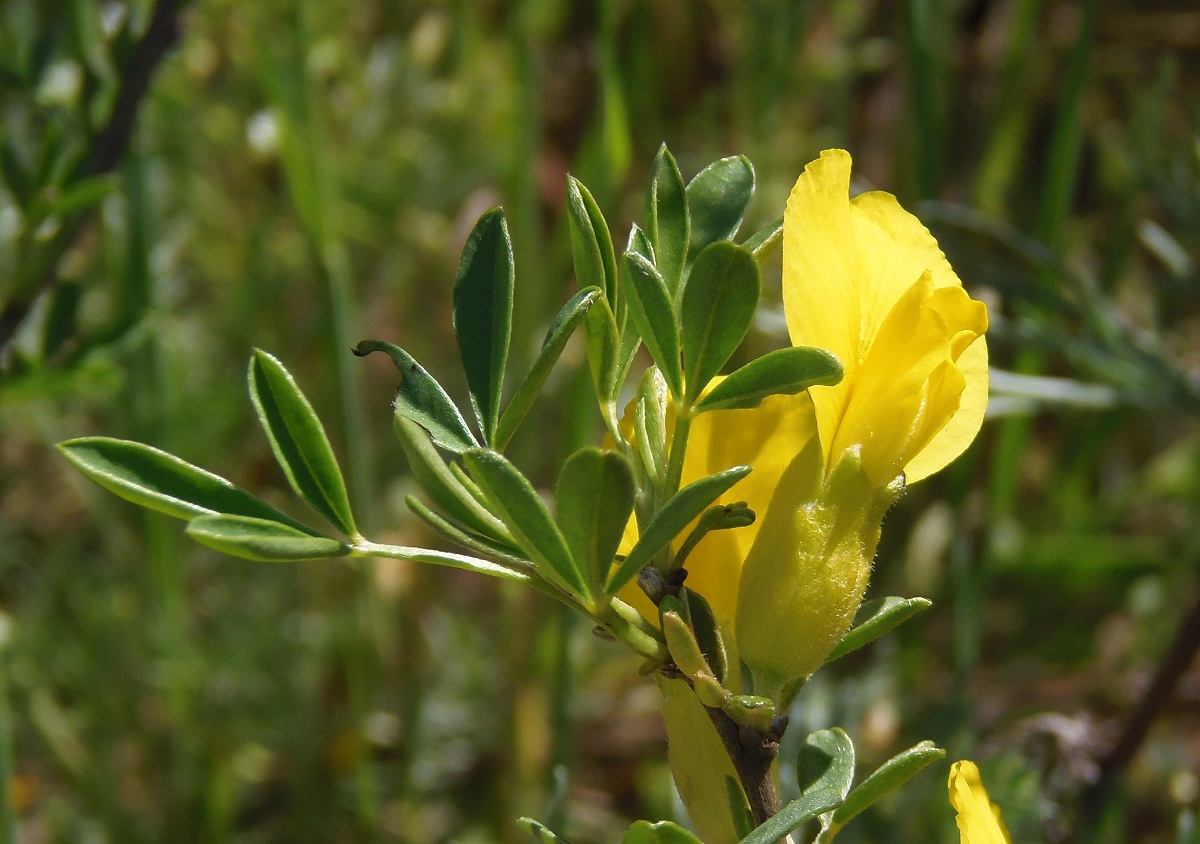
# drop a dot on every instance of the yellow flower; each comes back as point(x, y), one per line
point(978, 818)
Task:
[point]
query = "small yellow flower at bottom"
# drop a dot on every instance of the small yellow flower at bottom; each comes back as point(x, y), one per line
point(978, 818)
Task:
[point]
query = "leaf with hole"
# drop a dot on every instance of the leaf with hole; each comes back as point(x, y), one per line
point(781, 372)
point(421, 398)
point(299, 441)
point(262, 539)
point(718, 306)
point(483, 297)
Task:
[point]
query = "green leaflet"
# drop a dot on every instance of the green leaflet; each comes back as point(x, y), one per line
point(717, 199)
point(653, 312)
point(591, 243)
point(875, 618)
point(781, 372)
point(261, 539)
point(667, 224)
point(718, 306)
point(594, 500)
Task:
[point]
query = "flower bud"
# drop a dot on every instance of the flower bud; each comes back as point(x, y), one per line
point(808, 568)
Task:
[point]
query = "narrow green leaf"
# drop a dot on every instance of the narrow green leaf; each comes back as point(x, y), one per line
point(541, 832)
point(653, 313)
point(571, 315)
point(262, 539)
point(483, 297)
point(672, 519)
point(521, 509)
point(591, 242)
point(708, 634)
point(718, 306)
point(443, 489)
point(667, 218)
point(462, 562)
point(163, 482)
point(891, 775)
point(765, 239)
point(663, 832)
point(640, 243)
point(874, 618)
point(461, 536)
point(299, 441)
point(603, 350)
point(739, 808)
point(826, 760)
point(793, 815)
point(717, 198)
point(421, 398)
point(594, 500)
point(781, 372)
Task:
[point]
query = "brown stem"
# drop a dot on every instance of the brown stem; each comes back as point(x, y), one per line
point(753, 755)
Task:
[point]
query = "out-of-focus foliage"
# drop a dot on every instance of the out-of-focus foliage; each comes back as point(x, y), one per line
point(302, 174)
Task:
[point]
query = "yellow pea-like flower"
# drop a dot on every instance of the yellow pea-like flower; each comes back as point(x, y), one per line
point(978, 818)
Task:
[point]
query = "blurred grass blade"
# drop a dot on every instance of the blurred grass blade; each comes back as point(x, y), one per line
point(793, 815)
point(262, 539)
point(299, 441)
point(718, 306)
point(436, 480)
point(483, 301)
point(667, 223)
point(591, 242)
point(594, 500)
point(765, 239)
point(891, 775)
point(826, 760)
point(161, 481)
point(874, 619)
point(672, 519)
point(421, 398)
point(564, 325)
point(521, 509)
point(781, 372)
point(653, 312)
point(663, 832)
point(717, 199)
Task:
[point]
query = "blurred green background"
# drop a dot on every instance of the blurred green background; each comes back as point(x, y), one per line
point(301, 174)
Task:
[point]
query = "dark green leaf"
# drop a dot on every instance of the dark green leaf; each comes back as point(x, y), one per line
point(793, 815)
point(672, 519)
point(663, 832)
point(443, 489)
point(739, 808)
point(299, 441)
point(594, 500)
point(521, 509)
point(572, 314)
point(602, 350)
point(541, 832)
point(891, 775)
point(765, 239)
point(16, 179)
point(483, 296)
point(718, 306)
point(261, 539)
point(667, 218)
point(653, 313)
point(163, 482)
point(591, 242)
point(461, 536)
point(826, 760)
point(874, 618)
point(421, 398)
point(781, 372)
point(717, 198)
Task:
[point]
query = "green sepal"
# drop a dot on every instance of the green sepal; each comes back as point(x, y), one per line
point(673, 519)
point(793, 815)
point(262, 539)
point(299, 441)
point(765, 239)
point(521, 509)
point(874, 619)
point(591, 242)
point(483, 298)
point(160, 481)
point(594, 499)
point(603, 350)
point(667, 225)
point(564, 325)
point(421, 398)
point(443, 488)
point(781, 372)
point(663, 832)
point(718, 306)
point(653, 312)
point(717, 199)
point(887, 778)
point(463, 537)
point(541, 832)
point(826, 760)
